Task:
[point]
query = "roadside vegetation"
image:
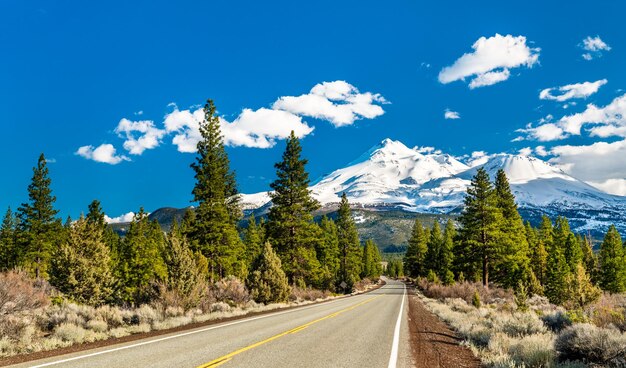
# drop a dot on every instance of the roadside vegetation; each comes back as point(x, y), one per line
point(521, 296)
point(79, 281)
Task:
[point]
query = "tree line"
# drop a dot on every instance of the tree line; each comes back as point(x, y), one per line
point(92, 264)
point(493, 245)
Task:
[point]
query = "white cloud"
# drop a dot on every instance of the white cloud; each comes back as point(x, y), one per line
point(491, 61)
point(570, 91)
point(449, 114)
point(185, 125)
point(541, 151)
point(594, 46)
point(127, 217)
point(606, 121)
point(543, 133)
point(104, 153)
point(489, 78)
point(427, 150)
point(261, 128)
point(252, 128)
point(613, 186)
point(601, 163)
point(139, 135)
point(526, 151)
point(338, 102)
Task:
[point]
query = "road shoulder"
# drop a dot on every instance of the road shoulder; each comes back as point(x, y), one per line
point(433, 343)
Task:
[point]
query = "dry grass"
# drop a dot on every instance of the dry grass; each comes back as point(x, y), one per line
point(465, 290)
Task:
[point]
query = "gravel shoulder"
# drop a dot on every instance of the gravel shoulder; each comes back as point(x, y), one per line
point(433, 343)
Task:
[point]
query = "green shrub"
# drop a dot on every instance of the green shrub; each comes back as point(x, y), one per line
point(476, 299)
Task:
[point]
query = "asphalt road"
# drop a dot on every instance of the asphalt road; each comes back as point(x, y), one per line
point(362, 331)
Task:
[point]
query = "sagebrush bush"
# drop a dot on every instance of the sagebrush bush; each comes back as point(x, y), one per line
point(534, 351)
point(20, 293)
point(97, 325)
point(231, 290)
point(557, 320)
point(590, 343)
point(70, 332)
point(465, 290)
point(299, 294)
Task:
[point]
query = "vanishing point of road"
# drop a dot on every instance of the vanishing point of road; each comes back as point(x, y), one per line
point(366, 330)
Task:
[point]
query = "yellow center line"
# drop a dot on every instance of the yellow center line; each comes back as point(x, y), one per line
point(229, 356)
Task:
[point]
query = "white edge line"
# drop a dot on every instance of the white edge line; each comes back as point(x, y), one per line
point(393, 358)
point(182, 334)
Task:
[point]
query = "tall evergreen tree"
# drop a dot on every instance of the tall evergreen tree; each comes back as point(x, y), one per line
point(183, 273)
point(612, 264)
point(446, 254)
point(328, 253)
point(590, 259)
point(512, 264)
point(38, 228)
point(140, 259)
point(290, 227)
point(81, 267)
point(8, 251)
point(573, 252)
point(538, 254)
point(253, 240)
point(268, 282)
point(433, 255)
point(557, 274)
point(480, 222)
point(416, 251)
point(214, 232)
point(349, 245)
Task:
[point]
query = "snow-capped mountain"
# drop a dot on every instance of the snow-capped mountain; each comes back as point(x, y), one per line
point(392, 175)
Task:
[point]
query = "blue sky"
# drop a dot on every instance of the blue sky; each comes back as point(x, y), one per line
point(71, 71)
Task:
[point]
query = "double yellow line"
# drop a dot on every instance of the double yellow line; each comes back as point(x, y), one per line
point(229, 356)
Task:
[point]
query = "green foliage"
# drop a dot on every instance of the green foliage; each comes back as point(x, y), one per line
point(538, 253)
point(268, 282)
point(253, 240)
point(183, 273)
point(416, 251)
point(480, 225)
point(556, 276)
point(395, 268)
point(433, 254)
point(432, 277)
point(213, 231)
point(8, 249)
point(371, 261)
point(350, 254)
point(511, 262)
point(39, 231)
point(446, 255)
point(81, 267)
point(290, 227)
point(140, 260)
point(580, 290)
point(327, 250)
point(612, 266)
point(476, 299)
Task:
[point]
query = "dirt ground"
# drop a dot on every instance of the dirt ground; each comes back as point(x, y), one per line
point(433, 343)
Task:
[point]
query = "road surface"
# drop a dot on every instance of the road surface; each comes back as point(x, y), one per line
point(368, 330)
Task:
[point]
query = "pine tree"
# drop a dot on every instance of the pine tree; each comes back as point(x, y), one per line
point(446, 254)
point(433, 255)
point(290, 227)
point(38, 229)
point(612, 266)
point(183, 273)
point(557, 273)
point(95, 214)
point(590, 259)
point(573, 252)
point(81, 268)
point(349, 246)
point(512, 263)
point(416, 251)
point(268, 282)
point(8, 250)
point(367, 261)
point(480, 222)
point(140, 259)
point(328, 253)
point(538, 254)
point(214, 230)
point(580, 290)
point(252, 238)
